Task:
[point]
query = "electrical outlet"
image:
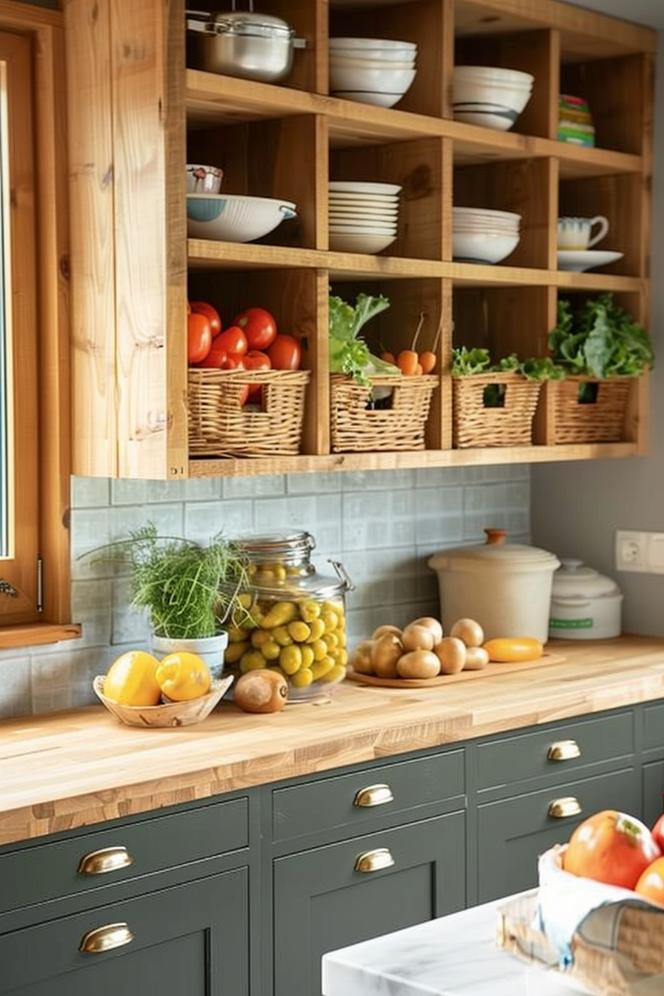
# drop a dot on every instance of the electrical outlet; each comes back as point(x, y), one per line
point(631, 551)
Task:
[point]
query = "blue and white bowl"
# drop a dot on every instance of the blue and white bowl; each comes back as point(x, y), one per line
point(235, 217)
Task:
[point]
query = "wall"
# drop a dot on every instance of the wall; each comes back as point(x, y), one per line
point(578, 507)
point(382, 526)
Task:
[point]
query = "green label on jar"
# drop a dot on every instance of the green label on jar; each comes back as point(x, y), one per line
point(571, 623)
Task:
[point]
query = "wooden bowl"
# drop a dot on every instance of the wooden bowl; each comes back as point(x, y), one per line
point(166, 713)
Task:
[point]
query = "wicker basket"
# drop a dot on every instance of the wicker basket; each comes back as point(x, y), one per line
point(599, 421)
point(477, 425)
point(356, 428)
point(220, 426)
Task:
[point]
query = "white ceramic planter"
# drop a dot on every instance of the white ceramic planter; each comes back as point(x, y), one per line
point(210, 649)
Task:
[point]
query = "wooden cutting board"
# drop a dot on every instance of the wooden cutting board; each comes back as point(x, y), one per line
point(491, 670)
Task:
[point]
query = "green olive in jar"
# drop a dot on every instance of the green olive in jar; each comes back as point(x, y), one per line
point(290, 659)
point(271, 650)
point(281, 636)
point(253, 660)
point(320, 668)
point(310, 610)
point(279, 615)
point(302, 679)
point(235, 651)
point(317, 627)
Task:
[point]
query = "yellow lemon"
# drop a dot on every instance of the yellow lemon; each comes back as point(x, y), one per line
point(183, 676)
point(132, 681)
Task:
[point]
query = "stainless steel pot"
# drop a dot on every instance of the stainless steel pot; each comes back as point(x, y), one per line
point(242, 43)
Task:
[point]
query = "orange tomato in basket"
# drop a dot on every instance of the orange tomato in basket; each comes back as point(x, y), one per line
point(611, 847)
point(651, 882)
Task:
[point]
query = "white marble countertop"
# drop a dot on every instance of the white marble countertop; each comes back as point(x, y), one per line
point(453, 956)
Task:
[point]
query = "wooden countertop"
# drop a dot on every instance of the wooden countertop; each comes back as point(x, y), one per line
point(70, 769)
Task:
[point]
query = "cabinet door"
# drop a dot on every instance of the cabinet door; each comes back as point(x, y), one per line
point(653, 791)
point(514, 832)
point(191, 940)
point(322, 902)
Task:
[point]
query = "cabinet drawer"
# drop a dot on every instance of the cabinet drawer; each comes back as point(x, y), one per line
point(50, 871)
point(531, 755)
point(389, 789)
point(188, 939)
point(653, 726)
point(323, 902)
point(514, 832)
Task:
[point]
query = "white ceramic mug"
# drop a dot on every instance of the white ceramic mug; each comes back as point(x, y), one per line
point(576, 233)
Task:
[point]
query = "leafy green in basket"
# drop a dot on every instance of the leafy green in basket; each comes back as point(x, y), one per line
point(349, 354)
point(600, 340)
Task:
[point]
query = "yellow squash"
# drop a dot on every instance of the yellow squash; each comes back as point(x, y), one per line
point(508, 649)
point(183, 676)
point(132, 681)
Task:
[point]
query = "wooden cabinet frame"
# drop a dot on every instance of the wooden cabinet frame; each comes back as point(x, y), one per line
point(132, 103)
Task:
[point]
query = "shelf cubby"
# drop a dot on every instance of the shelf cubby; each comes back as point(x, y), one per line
point(420, 167)
point(503, 320)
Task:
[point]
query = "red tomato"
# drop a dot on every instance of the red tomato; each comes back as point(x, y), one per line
point(651, 882)
point(285, 353)
point(259, 327)
point(199, 338)
point(233, 340)
point(611, 847)
point(215, 357)
point(233, 361)
point(212, 315)
point(255, 360)
point(658, 832)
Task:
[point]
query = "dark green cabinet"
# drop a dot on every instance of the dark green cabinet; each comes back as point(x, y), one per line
point(191, 940)
point(512, 833)
point(322, 901)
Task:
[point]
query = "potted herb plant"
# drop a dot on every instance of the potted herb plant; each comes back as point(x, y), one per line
point(602, 350)
point(190, 592)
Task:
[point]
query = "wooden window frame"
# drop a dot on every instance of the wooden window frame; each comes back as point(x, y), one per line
point(47, 482)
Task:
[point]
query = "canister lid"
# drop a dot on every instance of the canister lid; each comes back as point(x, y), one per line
point(575, 580)
point(495, 554)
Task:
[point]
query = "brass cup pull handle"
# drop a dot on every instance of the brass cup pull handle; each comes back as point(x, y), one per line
point(112, 935)
point(560, 809)
point(373, 861)
point(373, 795)
point(108, 859)
point(563, 750)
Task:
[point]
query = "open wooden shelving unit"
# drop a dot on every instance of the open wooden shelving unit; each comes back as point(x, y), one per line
point(137, 114)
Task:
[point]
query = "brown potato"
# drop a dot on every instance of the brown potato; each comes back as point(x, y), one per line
point(430, 623)
point(261, 691)
point(417, 638)
point(476, 659)
point(384, 656)
point(451, 652)
point(360, 659)
point(382, 630)
point(418, 664)
point(469, 631)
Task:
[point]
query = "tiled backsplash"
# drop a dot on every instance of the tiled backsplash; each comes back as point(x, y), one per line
point(382, 525)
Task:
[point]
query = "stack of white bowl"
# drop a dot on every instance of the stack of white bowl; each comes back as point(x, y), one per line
point(490, 96)
point(484, 236)
point(364, 217)
point(371, 70)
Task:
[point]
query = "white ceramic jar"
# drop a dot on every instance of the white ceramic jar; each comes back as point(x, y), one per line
point(585, 605)
point(506, 587)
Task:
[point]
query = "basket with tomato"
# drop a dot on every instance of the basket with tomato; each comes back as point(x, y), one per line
point(598, 914)
point(246, 389)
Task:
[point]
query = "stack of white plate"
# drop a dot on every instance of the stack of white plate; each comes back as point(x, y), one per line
point(371, 70)
point(490, 96)
point(484, 236)
point(363, 216)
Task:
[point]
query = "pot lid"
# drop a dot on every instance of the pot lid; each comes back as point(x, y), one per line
point(495, 554)
point(575, 580)
point(239, 22)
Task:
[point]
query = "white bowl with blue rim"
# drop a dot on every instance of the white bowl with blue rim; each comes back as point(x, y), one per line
point(491, 97)
point(235, 217)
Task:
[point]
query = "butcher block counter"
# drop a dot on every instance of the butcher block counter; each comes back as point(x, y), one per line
point(66, 770)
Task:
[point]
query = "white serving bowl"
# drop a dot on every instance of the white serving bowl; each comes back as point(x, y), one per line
point(342, 213)
point(495, 74)
point(369, 97)
point(488, 105)
point(235, 217)
point(487, 214)
point(371, 200)
point(360, 228)
point(365, 243)
point(484, 226)
point(348, 62)
point(377, 80)
point(371, 44)
point(483, 247)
